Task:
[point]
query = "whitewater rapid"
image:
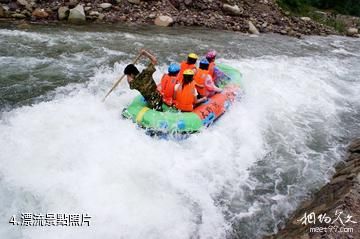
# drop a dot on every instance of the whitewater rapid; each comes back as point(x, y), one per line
point(68, 152)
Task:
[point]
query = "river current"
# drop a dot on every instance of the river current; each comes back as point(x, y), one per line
point(63, 150)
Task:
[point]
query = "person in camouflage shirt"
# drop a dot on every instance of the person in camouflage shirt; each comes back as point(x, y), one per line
point(144, 82)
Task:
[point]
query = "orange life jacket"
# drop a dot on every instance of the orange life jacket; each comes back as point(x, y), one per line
point(185, 98)
point(212, 70)
point(185, 66)
point(200, 78)
point(167, 88)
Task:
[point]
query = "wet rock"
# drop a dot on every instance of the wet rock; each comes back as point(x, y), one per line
point(134, 1)
point(355, 147)
point(163, 21)
point(4, 1)
point(77, 14)
point(253, 29)
point(23, 25)
point(18, 15)
point(2, 12)
point(40, 13)
point(105, 5)
point(63, 13)
point(233, 10)
point(352, 31)
point(342, 193)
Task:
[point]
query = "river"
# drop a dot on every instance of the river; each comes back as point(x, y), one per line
point(62, 150)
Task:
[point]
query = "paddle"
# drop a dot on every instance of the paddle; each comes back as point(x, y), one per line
point(118, 81)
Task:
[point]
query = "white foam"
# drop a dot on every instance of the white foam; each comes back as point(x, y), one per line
point(75, 154)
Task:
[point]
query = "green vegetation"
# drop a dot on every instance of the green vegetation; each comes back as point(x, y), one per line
point(347, 7)
point(311, 9)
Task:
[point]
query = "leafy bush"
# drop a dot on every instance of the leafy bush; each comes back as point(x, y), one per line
point(349, 7)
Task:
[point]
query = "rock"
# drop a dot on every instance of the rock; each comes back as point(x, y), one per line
point(233, 10)
point(77, 14)
point(26, 13)
point(305, 19)
point(87, 9)
point(63, 13)
point(163, 21)
point(188, 2)
point(2, 12)
point(321, 14)
point(13, 6)
point(355, 146)
point(152, 15)
point(23, 25)
point(94, 13)
point(105, 5)
point(26, 4)
point(352, 31)
point(253, 29)
point(73, 3)
point(101, 16)
point(40, 13)
point(4, 1)
point(134, 1)
point(18, 15)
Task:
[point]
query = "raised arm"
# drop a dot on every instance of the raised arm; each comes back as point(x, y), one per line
point(151, 57)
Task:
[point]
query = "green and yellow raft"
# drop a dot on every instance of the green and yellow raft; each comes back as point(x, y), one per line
point(173, 121)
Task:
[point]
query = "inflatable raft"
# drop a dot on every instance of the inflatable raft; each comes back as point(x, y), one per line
point(173, 121)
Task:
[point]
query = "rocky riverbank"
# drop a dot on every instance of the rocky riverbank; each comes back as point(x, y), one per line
point(332, 210)
point(250, 16)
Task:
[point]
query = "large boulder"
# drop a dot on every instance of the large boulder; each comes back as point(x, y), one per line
point(63, 13)
point(77, 14)
point(233, 10)
point(163, 21)
point(253, 29)
point(352, 31)
point(40, 13)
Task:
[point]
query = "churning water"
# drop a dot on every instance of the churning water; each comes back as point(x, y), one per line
point(64, 151)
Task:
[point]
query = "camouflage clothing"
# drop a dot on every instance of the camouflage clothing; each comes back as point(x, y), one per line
point(146, 85)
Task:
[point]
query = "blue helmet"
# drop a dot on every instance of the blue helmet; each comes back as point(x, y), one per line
point(204, 61)
point(173, 68)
